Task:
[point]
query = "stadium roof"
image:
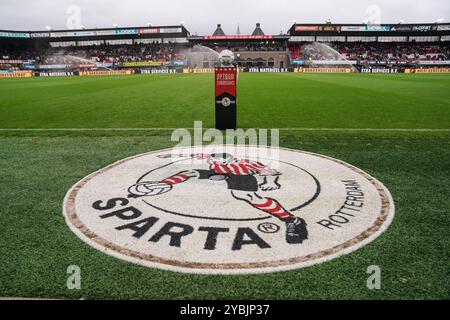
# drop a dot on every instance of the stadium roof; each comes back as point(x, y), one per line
point(439, 29)
point(419, 28)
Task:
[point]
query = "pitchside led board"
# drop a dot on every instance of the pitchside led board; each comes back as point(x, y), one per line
point(226, 98)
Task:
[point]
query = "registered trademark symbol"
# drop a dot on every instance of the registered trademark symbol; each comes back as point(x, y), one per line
point(268, 227)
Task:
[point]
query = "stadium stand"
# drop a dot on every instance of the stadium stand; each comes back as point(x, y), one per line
point(305, 46)
point(367, 53)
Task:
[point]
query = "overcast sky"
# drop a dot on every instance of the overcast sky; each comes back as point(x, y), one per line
point(202, 15)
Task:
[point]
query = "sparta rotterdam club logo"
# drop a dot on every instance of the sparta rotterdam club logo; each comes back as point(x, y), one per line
point(216, 210)
point(241, 176)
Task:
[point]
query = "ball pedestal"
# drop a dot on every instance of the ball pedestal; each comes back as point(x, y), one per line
point(226, 98)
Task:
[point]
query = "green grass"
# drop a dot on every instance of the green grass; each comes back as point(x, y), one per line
point(265, 100)
point(37, 169)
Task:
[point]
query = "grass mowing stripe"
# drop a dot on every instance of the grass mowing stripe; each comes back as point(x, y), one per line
point(419, 90)
point(280, 129)
point(265, 101)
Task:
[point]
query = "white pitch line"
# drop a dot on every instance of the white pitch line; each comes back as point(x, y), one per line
point(91, 129)
point(172, 129)
point(367, 129)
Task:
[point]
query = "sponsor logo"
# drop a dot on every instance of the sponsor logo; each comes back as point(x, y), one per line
point(178, 63)
point(16, 74)
point(149, 31)
point(106, 73)
point(171, 30)
point(14, 34)
point(443, 63)
point(423, 28)
point(199, 210)
point(380, 70)
point(86, 65)
point(306, 28)
point(158, 71)
point(106, 32)
point(334, 62)
point(377, 28)
point(126, 31)
point(443, 28)
point(60, 34)
point(84, 33)
point(330, 28)
point(353, 28)
point(40, 35)
point(268, 70)
point(238, 37)
point(144, 64)
point(401, 28)
point(201, 70)
point(54, 66)
point(322, 70)
point(431, 70)
point(55, 74)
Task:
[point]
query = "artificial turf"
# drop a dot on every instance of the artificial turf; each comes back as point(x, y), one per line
point(37, 169)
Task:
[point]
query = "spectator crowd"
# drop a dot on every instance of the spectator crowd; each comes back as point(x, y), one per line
point(115, 55)
point(372, 53)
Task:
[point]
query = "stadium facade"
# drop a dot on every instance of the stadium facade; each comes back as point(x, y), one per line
point(306, 47)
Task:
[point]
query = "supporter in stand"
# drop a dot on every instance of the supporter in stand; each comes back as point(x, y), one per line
point(373, 53)
point(113, 53)
point(364, 53)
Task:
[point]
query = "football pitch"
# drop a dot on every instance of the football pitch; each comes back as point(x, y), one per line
point(55, 131)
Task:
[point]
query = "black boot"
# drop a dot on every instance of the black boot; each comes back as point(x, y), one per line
point(296, 231)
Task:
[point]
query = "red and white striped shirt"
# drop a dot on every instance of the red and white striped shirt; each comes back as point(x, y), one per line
point(238, 167)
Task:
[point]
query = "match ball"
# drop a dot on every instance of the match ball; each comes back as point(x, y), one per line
point(150, 189)
point(226, 58)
